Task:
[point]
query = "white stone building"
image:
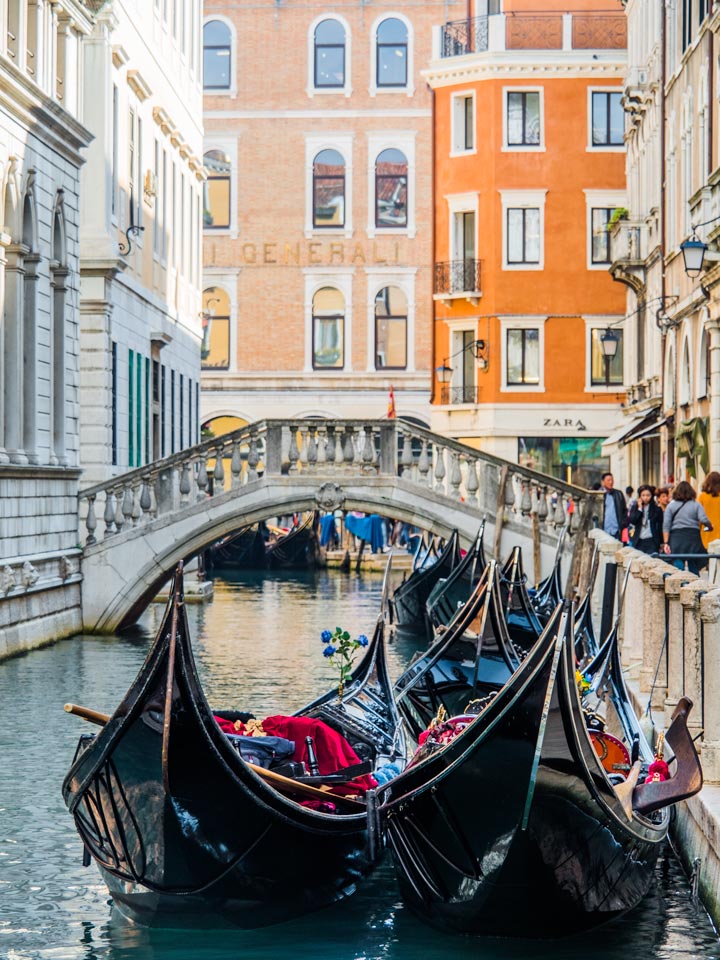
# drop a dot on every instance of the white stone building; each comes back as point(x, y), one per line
point(142, 187)
point(41, 151)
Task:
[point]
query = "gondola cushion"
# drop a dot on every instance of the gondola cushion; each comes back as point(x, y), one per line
point(262, 751)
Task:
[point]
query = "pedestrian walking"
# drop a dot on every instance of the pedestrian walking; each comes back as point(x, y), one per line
point(710, 501)
point(645, 519)
point(662, 495)
point(615, 518)
point(681, 527)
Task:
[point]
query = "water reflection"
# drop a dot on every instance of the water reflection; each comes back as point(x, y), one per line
point(257, 645)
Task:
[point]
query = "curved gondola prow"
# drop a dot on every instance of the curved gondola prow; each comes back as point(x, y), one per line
point(386, 611)
point(448, 593)
point(687, 779)
point(549, 592)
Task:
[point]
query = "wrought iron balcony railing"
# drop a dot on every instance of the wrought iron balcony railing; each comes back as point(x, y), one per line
point(457, 276)
point(464, 36)
point(466, 393)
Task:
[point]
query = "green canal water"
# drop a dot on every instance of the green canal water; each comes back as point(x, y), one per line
point(258, 647)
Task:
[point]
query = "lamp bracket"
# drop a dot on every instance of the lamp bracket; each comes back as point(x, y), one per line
point(126, 248)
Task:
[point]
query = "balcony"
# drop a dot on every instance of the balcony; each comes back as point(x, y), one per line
point(465, 393)
point(628, 252)
point(597, 30)
point(457, 280)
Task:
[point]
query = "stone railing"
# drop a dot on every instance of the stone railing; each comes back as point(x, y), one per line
point(670, 630)
point(330, 450)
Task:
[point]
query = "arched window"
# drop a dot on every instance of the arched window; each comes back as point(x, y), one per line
point(703, 376)
point(215, 347)
point(684, 391)
point(329, 70)
point(392, 53)
point(328, 189)
point(216, 202)
point(391, 329)
point(670, 378)
point(391, 169)
point(328, 322)
point(58, 279)
point(217, 55)
point(28, 415)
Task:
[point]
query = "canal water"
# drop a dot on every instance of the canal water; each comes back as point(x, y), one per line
point(258, 647)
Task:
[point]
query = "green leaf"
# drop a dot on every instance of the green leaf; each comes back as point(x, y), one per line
point(346, 636)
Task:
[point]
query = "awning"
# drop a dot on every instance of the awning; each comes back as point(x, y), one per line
point(627, 431)
point(651, 430)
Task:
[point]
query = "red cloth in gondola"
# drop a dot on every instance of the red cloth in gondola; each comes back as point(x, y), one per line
point(331, 748)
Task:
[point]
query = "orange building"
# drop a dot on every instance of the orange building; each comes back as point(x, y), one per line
point(529, 170)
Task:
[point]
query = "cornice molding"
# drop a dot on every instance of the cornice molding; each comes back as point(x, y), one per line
point(507, 67)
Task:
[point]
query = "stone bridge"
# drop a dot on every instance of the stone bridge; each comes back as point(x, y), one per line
point(138, 525)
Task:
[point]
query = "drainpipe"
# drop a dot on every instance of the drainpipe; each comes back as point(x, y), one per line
point(663, 233)
point(713, 328)
point(433, 319)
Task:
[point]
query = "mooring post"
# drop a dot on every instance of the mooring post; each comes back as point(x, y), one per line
point(607, 612)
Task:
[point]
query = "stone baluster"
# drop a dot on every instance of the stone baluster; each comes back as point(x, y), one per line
point(312, 450)
point(322, 447)
point(693, 643)
point(509, 492)
point(303, 458)
point(439, 468)
point(710, 614)
point(472, 484)
point(542, 510)
point(219, 480)
point(185, 484)
point(368, 451)
point(525, 498)
point(201, 479)
point(560, 514)
point(235, 466)
point(406, 457)
point(152, 482)
point(424, 465)
point(127, 505)
point(145, 499)
point(91, 521)
point(339, 448)
point(455, 476)
point(119, 515)
point(653, 672)
point(676, 666)
point(575, 516)
point(253, 458)
point(137, 509)
point(293, 452)
point(348, 448)
point(109, 514)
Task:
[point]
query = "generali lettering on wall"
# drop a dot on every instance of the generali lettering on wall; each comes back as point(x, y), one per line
point(319, 253)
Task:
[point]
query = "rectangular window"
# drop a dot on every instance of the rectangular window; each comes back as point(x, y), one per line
point(197, 413)
point(114, 438)
point(173, 215)
point(182, 412)
point(190, 411)
point(138, 412)
point(608, 120)
point(600, 235)
point(132, 183)
point(328, 342)
point(164, 189)
point(172, 411)
point(523, 356)
point(523, 118)
point(163, 413)
point(131, 408)
point(147, 410)
point(523, 235)
point(597, 359)
point(182, 265)
point(115, 141)
point(156, 224)
point(463, 123)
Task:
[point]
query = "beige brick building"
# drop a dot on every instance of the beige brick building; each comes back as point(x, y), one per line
point(317, 212)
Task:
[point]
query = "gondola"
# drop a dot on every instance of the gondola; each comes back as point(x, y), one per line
point(245, 550)
point(523, 623)
point(549, 592)
point(410, 597)
point(298, 548)
point(452, 592)
point(513, 827)
point(186, 833)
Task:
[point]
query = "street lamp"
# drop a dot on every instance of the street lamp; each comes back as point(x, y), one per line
point(478, 348)
point(609, 345)
point(695, 252)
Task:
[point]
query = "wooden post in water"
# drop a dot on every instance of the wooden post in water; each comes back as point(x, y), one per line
point(500, 512)
point(537, 568)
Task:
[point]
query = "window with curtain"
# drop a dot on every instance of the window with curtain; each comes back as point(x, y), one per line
point(215, 346)
point(392, 54)
point(217, 55)
point(216, 197)
point(523, 118)
point(329, 189)
point(523, 356)
point(523, 235)
point(391, 169)
point(600, 235)
point(608, 119)
point(329, 52)
point(328, 321)
point(391, 329)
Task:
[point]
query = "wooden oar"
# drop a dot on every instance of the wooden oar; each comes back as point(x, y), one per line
point(277, 780)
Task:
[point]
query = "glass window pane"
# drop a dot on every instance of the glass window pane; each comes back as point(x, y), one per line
point(329, 66)
point(600, 235)
point(216, 69)
point(599, 119)
point(215, 348)
point(391, 189)
point(469, 104)
point(532, 356)
point(532, 118)
point(617, 118)
point(532, 235)
point(392, 66)
point(514, 356)
point(597, 359)
point(329, 189)
point(216, 211)
point(330, 31)
point(328, 327)
point(392, 30)
point(515, 235)
point(216, 34)
point(514, 118)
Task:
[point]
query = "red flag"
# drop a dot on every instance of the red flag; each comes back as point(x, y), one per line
point(391, 405)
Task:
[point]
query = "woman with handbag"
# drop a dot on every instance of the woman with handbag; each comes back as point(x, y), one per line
point(681, 527)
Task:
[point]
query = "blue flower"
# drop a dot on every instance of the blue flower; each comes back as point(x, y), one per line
point(326, 636)
point(329, 650)
point(362, 640)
